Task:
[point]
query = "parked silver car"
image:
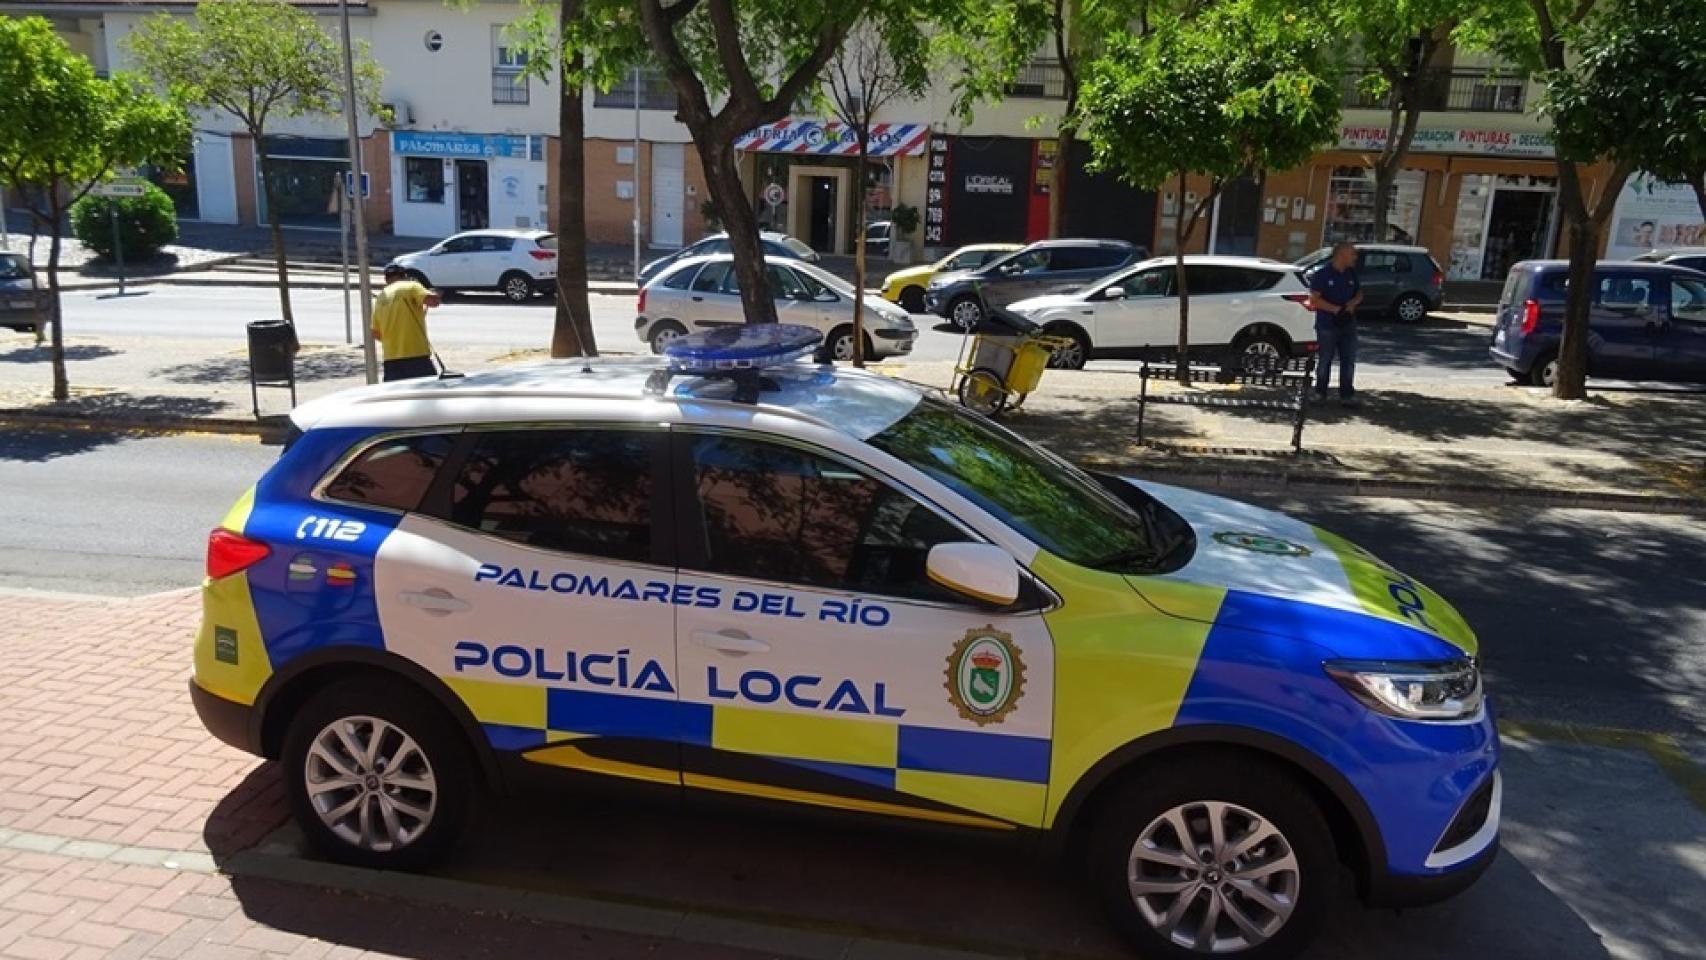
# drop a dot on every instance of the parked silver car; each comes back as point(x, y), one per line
point(703, 292)
point(22, 299)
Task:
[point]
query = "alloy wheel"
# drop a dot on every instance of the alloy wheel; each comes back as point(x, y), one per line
point(1213, 877)
point(843, 347)
point(1069, 356)
point(1412, 310)
point(517, 289)
point(370, 784)
point(966, 314)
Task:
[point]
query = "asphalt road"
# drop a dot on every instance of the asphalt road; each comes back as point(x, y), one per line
point(1584, 616)
point(1439, 350)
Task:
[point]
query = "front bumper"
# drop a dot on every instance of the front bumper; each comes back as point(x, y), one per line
point(229, 721)
point(890, 342)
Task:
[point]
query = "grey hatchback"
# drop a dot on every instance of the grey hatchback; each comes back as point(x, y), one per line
point(22, 299)
point(1401, 282)
point(1049, 266)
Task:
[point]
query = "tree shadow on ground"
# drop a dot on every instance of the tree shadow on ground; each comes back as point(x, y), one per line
point(24, 441)
point(312, 364)
point(42, 353)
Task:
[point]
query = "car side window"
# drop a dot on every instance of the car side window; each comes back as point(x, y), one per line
point(967, 261)
point(1688, 299)
point(578, 491)
point(1625, 291)
point(680, 279)
point(394, 473)
point(767, 511)
point(498, 244)
point(785, 284)
point(1202, 278)
point(461, 245)
point(1036, 261)
point(1155, 282)
point(718, 245)
point(1096, 257)
point(710, 279)
point(1375, 261)
point(1403, 263)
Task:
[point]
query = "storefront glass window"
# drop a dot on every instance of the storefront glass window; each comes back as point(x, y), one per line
point(425, 179)
point(304, 180)
point(1350, 207)
point(179, 185)
point(1500, 220)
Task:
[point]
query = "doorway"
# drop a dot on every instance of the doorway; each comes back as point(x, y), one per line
point(1516, 230)
point(669, 184)
point(1237, 215)
point(820, 225)
point(473, 210)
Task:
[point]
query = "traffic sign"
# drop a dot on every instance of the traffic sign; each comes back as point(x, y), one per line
point(774, 194)
point(121, 187)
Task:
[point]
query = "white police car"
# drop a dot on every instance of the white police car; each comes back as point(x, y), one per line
point(820, 586)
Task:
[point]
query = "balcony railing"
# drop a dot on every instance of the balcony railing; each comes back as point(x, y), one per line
point(656, 93)
point(509, 86)
point(1470, 91)
point(1039, 80)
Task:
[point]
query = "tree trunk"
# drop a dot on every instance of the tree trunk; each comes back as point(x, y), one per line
point(571, 332)
point(859, 165)
point(1698, 182)
point(277, 230)
point(1183, 368)
point(722, 178)
point(61, 384)
point(1057, 182)
point(1400, 133)
point(1573, 351)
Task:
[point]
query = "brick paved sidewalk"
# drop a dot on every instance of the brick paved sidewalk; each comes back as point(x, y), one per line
point(117, 810)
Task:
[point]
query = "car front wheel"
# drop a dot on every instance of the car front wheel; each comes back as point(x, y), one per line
point(1071, 356)
point(966, 313)
point(1211, 858)
point(516, 287)
point(378, 775)
point(912, 299)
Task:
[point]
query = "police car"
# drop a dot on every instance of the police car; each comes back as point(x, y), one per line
point(733, 572)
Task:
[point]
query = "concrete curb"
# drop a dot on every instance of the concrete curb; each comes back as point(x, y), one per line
point(606, 287)
point(68, 420)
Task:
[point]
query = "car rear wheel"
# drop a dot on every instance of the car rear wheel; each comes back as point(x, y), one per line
point(378, 775)
point(1544, 371)
point(1410, 308)
point(1208, 858)
point(516, 287)
point(1072, 356)
point(966, 313)
point(1261, 350)
point(912, 299)
point(665, 332)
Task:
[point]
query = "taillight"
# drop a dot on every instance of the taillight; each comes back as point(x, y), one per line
point(642, 307)
point(1439, 278)
point(1311, 347)
point(229, 553)
point(542, 254)
point(1530, 316)
point(1301, 299)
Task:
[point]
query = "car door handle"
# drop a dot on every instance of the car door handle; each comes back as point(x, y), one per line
point(730, 641)
point(434, 601)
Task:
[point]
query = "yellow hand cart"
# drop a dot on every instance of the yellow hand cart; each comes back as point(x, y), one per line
point(1002, 369)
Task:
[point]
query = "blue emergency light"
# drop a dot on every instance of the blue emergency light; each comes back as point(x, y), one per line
point(737, 353)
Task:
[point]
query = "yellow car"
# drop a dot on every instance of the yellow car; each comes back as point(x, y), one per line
point(906, 287)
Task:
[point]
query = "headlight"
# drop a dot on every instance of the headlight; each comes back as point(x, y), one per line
point(1449, 690)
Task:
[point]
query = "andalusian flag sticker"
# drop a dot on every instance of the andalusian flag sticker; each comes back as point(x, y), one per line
point(340, 574)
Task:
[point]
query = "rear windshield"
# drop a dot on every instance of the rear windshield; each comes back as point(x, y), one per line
point(13, 267)
point(797, 248)
point(547, 242)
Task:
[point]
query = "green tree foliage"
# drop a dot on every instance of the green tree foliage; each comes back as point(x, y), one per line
point(145, 224)
point(1233, 91)
point(63, 129)
point(735, 66)
point(260, 61)
point(1622, 83)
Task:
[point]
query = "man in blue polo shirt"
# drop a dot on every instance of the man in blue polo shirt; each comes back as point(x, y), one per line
point(1334, 294)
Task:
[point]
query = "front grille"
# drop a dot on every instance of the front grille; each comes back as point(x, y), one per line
point(1469, 819)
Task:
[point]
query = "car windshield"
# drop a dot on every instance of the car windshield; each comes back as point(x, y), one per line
point(1044, 498)
point(797, 248)
point(1311, 259)
point(13, 267)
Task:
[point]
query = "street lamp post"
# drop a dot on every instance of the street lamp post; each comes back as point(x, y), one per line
point(370, 360)
point(636, 190)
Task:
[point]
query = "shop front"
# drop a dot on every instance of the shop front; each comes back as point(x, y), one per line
point(987, 190)
point(1651, 214)
point(802, 176)
point(448, 182)
point(304, 172)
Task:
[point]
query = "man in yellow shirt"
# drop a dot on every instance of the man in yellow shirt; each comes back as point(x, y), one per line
point(399, 323)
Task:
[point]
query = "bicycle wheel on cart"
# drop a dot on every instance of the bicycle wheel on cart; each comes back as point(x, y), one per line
point(981, 391)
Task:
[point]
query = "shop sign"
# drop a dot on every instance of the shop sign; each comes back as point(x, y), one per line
point(936, 193)
point(1651, 213)
point(835, 139)
point(989, 183)
point(477, 146)
point(1500, 143)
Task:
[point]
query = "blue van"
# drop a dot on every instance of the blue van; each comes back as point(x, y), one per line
point(1648, 322)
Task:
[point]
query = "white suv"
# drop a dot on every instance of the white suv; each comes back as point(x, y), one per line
point(1246, 305)
point(516, 263)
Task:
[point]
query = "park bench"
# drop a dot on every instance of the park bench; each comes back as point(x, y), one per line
point(1287, 381)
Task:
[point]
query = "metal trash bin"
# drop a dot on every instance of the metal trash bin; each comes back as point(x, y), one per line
point(995, 352)
point(272, 359)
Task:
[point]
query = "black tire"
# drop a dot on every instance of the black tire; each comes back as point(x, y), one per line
point(965, 313)
point(670, 329)
point(982, 391)
point(912, 299)
point(1260, 349)
point(1544, 371)
point(1073, 357)
point(1257, 787)
point(1410, 308)
point(446, 760)
point(517, 287)
point(839, 345)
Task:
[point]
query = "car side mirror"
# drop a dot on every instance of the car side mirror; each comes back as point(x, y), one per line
point(1113, 293)
point(977, 571)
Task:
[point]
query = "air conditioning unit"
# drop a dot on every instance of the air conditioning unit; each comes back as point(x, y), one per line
point(402, 115)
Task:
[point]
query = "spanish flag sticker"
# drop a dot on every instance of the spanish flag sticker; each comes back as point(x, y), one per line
point(340, 574)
